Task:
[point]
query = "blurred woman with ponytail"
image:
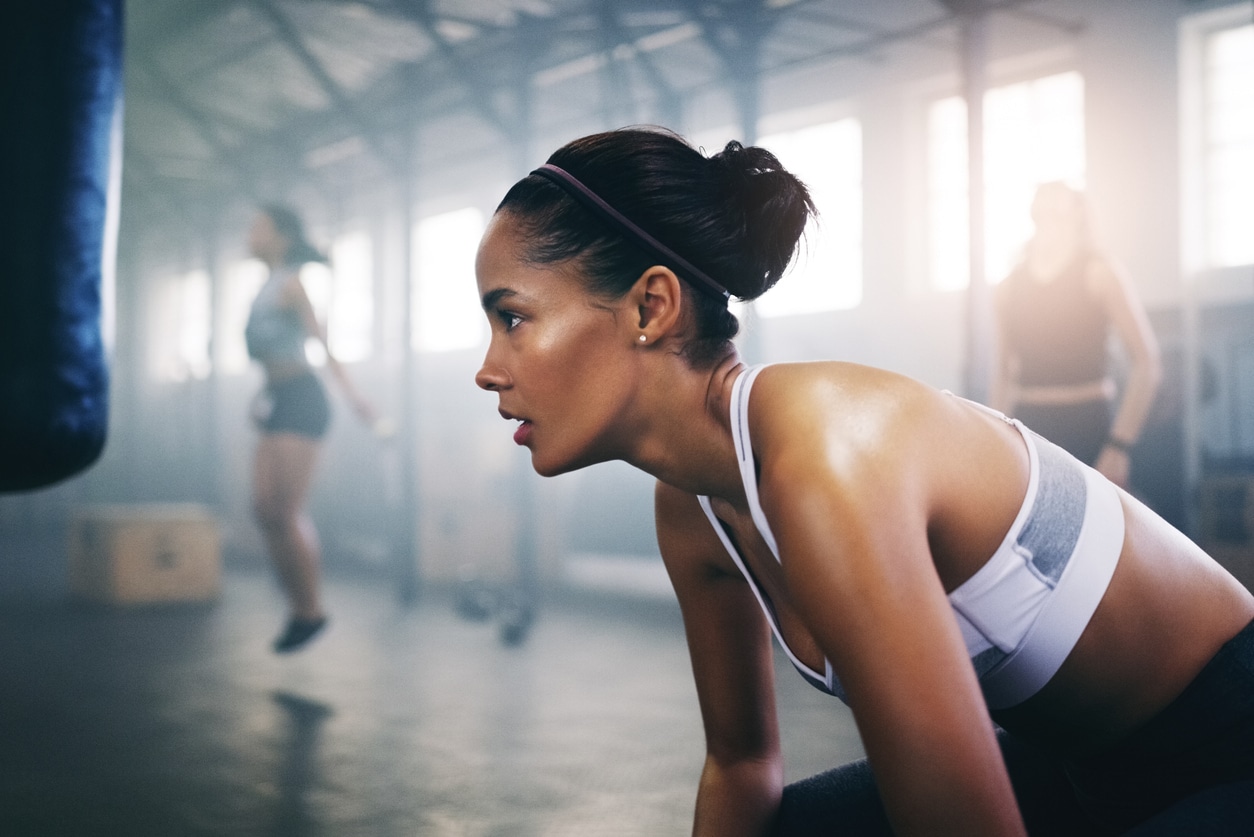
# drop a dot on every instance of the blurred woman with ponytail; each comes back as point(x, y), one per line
point(1056, 312)
point(293, 414)
point(937, 566)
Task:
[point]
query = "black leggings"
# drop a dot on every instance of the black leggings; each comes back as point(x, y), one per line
point(1188, 771)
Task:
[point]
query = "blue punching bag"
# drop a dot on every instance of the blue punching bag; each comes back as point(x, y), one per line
point(60, 109)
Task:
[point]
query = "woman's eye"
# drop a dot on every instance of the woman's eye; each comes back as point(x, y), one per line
point(509, 319)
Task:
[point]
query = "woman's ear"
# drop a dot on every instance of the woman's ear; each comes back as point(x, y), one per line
point(658, 299)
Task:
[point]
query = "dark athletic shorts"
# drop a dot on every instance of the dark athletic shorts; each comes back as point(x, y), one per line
point(293, 405)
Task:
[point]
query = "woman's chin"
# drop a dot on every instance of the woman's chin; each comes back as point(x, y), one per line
point(545, 469)
point(552, 467)
point(545, 466)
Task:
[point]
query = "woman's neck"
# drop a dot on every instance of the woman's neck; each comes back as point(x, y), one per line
point(1048, 254)
point(687, 441)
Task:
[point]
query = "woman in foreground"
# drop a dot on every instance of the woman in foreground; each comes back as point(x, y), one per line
point(935, 565)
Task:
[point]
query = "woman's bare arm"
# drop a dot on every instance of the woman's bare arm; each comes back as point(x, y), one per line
point(730, 646)
point(1133, 328)
point(295, 295)
point(849, 502)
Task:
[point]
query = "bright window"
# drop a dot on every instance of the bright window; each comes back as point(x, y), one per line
point(447, 313)
point(350, 316)
point(1033, 133)
point(342, 297)
point(828, 272)
point(1228, 146)
point(180, 328)
point(319, 284)
point(243, 280)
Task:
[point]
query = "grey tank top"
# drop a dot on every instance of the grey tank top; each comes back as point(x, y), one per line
point(275, 333)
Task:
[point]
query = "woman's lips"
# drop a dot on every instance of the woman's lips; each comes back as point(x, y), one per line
point(523, 433)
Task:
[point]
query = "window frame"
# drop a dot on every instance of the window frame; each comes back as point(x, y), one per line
point(1029, 72)
point(1228, 282)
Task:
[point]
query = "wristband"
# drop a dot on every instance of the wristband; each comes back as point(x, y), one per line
point(1119, 444)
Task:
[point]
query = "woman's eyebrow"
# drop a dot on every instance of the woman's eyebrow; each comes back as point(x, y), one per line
point(491, 298)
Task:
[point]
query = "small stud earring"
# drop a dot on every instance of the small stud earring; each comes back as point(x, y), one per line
point(643, 338)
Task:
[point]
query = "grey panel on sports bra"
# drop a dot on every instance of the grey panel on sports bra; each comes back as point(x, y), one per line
point(1050, 533)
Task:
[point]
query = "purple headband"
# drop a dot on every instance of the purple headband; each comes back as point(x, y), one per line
point(612, 216)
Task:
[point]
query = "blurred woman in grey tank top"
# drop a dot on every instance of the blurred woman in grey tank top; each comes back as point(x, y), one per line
point(292, 414)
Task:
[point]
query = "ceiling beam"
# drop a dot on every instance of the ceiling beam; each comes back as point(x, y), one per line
point(203, 124)
point(292, 39)
point(481, 92)
point(151, 188)
point(671, 105)
point(241, 171)
point(1071, 27)
point(167, 22)
point(736, 36)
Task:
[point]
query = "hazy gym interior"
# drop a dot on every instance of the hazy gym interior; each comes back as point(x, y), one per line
point(395, 127)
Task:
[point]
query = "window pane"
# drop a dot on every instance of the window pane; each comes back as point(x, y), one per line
point(1229, 146)
point(243, 281)
point(947, 188)
point(1033, 133)
point(828, 271)
point(1232, 49)
point(180, 328)
point(1231, 198)
point(446, 303)
point(350, 320)
point(318, 282)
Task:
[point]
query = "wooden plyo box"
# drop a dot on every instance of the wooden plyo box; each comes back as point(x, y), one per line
point(145, 554)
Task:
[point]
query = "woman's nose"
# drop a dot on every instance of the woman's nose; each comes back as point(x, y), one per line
point(491, 377)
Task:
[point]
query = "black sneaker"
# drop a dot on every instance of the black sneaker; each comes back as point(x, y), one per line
point(297, 633)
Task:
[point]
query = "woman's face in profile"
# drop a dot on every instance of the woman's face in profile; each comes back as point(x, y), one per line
point(264, 241)
point(559, 359)
point(1055, 209)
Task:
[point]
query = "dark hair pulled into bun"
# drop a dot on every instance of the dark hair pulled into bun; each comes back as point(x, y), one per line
point(773, 205)
point(737, 216)
point(287, 223)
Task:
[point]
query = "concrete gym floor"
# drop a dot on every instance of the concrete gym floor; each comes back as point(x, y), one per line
point(181, 721)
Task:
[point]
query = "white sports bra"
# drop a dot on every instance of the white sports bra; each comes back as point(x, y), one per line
point(1024, 610)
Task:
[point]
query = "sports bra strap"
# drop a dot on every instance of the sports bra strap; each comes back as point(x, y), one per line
point(744, 452)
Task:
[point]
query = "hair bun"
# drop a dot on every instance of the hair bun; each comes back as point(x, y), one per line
point(738, 160)
point(772, 205)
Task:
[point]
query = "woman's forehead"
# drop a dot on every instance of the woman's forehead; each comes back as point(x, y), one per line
point(500, 248)
point(501, 265)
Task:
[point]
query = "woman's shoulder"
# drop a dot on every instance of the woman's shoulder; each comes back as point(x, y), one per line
point(838, 411)
point(1102, 275)
point(834, 387)
point(288, 279)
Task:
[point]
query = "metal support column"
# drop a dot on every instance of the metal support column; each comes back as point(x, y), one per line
point(979, 310)
point(518, 611)
point(408, 516)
